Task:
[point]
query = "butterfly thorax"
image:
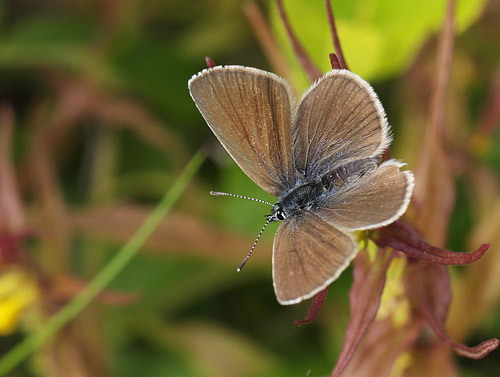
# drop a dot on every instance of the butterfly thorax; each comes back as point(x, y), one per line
point(309, 196)
point(301, 198)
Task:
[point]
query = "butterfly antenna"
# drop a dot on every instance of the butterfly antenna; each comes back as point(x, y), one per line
point(253, 247)
point(217, 193)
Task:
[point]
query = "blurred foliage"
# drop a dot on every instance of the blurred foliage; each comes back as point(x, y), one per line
point(104, 124)
point(379, 38)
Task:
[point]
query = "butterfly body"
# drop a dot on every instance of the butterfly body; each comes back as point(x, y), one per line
point(319, 156)
point(312, 195)
point(302, 198)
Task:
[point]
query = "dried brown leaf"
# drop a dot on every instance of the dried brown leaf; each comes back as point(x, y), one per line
point(431, 360)
point(53, 231)
point(434, 194)
point(366, 290)
point(384, 343)
point(316, 305)
point(477, 291)
point(11, 211)
point(403, 237)
point(429, 289)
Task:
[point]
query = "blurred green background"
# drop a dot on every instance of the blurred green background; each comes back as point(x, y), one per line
point(104, 124)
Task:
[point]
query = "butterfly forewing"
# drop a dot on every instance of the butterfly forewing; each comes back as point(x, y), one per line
point(374, 200)
point(308, 254)
point(250, 112)
point(339, 120)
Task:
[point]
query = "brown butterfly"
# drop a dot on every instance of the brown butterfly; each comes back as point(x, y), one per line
point(319, 156)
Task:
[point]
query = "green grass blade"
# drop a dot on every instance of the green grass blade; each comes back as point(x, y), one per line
point(108, 273)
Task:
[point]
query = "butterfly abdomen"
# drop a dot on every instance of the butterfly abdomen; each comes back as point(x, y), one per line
point(348, 172)
point(310, 195)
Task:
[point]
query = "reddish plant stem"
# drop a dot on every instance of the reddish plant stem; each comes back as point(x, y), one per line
point(365, 296)
point(312, 72)
point(335, 36)
point(11, 214)
point(260, 27)
point(431, 294)
point(445, 58)
point(402, 237)
point(386, 155)
point(334, 61)
point(435, 130)
point(210, 62)
point(317, 304)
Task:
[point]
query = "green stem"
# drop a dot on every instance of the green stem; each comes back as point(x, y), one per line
point(108, 273)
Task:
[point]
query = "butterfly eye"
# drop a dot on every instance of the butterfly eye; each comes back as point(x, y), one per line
point(280, 215)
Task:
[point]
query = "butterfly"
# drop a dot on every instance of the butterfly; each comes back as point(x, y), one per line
point(319, 156)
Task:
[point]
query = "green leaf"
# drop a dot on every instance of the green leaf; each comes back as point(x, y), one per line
point(379, 38)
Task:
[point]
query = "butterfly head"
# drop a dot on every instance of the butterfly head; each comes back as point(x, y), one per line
point(277, 214)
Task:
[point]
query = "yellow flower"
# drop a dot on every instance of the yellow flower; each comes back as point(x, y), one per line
point(18, 291)
point(394, 302)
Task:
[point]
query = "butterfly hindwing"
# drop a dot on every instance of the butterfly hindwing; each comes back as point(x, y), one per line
point(376, 199)
point(308, 254)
